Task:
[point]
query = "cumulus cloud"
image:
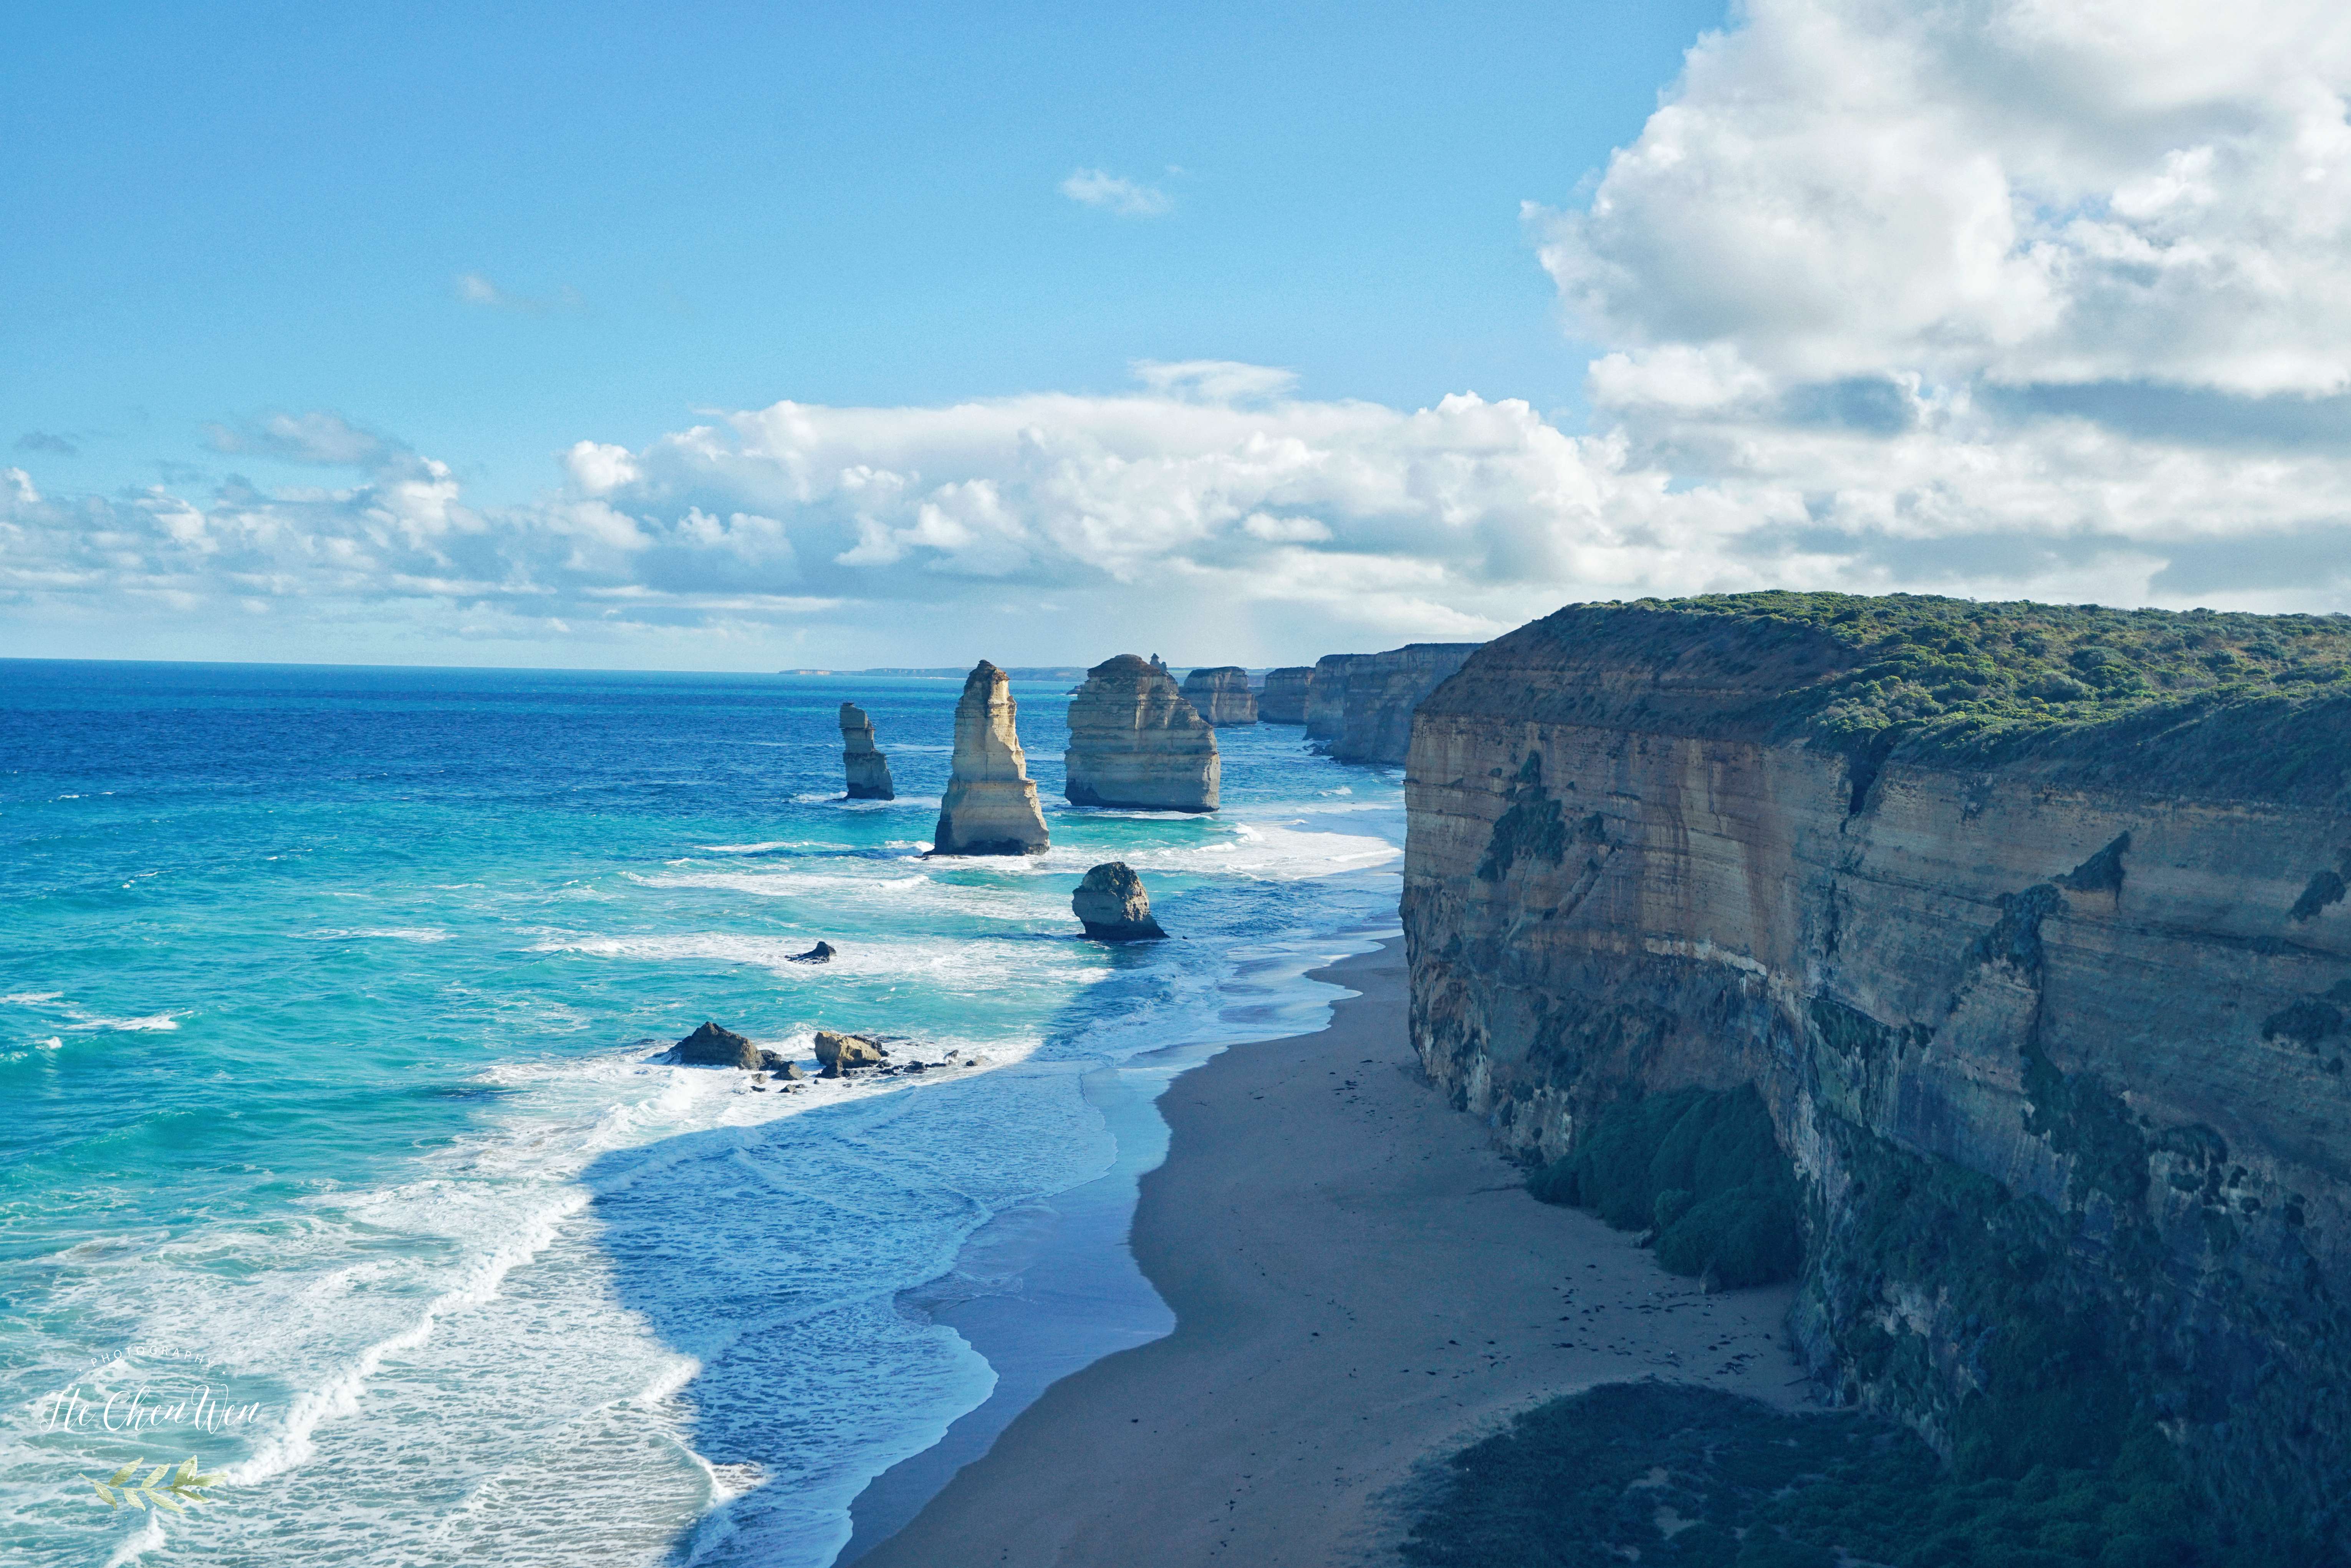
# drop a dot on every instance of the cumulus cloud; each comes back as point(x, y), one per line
point(1116, 193)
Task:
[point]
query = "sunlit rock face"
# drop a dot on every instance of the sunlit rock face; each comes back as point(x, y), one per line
point(1135, 741)
point(2053, 1023)
point(990, 806)
point(1283, 699)
point(867, 769)
point(1222, 695)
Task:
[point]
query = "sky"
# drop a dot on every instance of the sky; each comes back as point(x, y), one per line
point(753, 338)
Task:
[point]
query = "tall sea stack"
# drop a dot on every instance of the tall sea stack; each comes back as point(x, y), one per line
point(868, 769)
point(1222, 694)
point(990, 808)
point(1134, 741)
point(2028, 925)
point(1381, 692)
point(1326, 695)
point(1283, 700)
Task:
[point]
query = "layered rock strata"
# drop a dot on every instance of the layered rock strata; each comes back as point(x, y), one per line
point(1326, 695)
point(1135, 741)
point(1222, 695)
point(990, 806)
point(1378, 693)
point(868, 769)
point(1282, 700)
point(2051, 1017)
point(1113, 906)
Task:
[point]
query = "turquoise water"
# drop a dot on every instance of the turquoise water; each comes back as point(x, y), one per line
point(327, 1121)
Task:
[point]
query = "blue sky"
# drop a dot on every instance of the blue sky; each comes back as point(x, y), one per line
point(740, 338)
point(223, 211)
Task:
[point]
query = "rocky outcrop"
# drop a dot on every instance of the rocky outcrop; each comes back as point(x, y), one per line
point(1222, 695)
point(1378, 693)
point(712, 1046)
point(2045, 994)
point(1283, 698)
point(1326, 695)
point(990, 806)
point(837, 1054)
point(1113, 906)
point(823, 953)
point(1135, 741)
point(868, 769)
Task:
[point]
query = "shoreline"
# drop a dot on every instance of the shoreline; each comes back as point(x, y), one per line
point(1359, 1285)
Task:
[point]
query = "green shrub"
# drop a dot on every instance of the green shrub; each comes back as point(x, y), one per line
point(1703, 1170)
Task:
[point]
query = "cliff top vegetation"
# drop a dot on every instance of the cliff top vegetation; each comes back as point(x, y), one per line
point(2226, 702)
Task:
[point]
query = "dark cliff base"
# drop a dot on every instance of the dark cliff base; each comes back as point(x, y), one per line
point(2025, 923)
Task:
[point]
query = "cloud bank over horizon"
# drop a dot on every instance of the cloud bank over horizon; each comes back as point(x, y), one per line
point(1996, 300)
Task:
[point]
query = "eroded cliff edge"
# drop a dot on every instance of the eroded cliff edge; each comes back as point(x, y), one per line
point(2029, 925)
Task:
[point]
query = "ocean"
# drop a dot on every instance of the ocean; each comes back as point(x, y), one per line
point(331, 1152)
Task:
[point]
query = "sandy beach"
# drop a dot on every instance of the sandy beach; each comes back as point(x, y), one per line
point(1359, 1284)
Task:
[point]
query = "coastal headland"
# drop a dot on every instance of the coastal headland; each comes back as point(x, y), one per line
point(1360, 1283)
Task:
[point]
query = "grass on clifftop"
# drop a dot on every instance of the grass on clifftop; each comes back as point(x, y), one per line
point(1957, 678)
point(1663, 1473)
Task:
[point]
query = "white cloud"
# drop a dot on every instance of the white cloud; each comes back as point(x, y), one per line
point(1116, 193)
point(1213, 380)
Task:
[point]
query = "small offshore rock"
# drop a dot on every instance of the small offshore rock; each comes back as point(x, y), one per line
point(1113, 906)
point(780, 1066)
point(867, 769)
point(823, 953)
point(840, 1053)
point(710, 1046)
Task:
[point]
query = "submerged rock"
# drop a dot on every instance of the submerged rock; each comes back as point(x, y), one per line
point(868, 769)
point(1222, 694)
point(1113, 907)
point(710, 1046)
point(840, 1053)
point(823, 953)
point(990, 807)
point(1135, 741)
point(1283, 700)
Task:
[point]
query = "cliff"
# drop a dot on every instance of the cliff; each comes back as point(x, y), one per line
point(990, 806)
point(867, 769)
point(1135, 741)
point(1283, 698)
point(2028, 927)
point(1326, 695)
point(1222, 695)
point(1377, 693)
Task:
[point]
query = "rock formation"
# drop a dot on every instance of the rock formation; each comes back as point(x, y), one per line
point(710, 1046)
point(823, 953)
point(990, 807)
point(1283, 700)
point(1134, 741)
point(840, 1053)
point(1326, 695)
point(1113, 906)
point(1222, 695)
point(2032, 936)
point(1379, 693)
point(868, 769)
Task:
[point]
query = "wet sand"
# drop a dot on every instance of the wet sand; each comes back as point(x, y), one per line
point(1360, 1285)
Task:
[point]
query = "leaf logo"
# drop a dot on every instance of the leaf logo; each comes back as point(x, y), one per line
point(167, 1486)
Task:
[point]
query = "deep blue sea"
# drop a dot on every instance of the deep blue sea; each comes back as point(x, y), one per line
point(330, 1150)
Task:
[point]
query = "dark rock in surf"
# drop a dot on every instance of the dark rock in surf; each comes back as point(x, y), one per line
point(1113, 906)
point(823, 953)
point(710, 1046)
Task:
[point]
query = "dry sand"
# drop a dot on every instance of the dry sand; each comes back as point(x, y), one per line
point(1360, 1285)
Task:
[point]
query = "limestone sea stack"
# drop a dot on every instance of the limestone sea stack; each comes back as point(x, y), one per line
point(1382, 692)
point(990, 807)
point(1222, 694)
point(1326, 695)
point(1134, 741)
point(1283, 699)
point(868, 769)
point(1113, 906)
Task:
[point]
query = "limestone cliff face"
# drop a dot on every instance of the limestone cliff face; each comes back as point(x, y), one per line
point(1379, 693)
point(1283, 698)
point(1135, 741)
point(2055, 1036)
point(990, 806)
point(868, 769)
point(1326, 695)
point(1222, 695)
